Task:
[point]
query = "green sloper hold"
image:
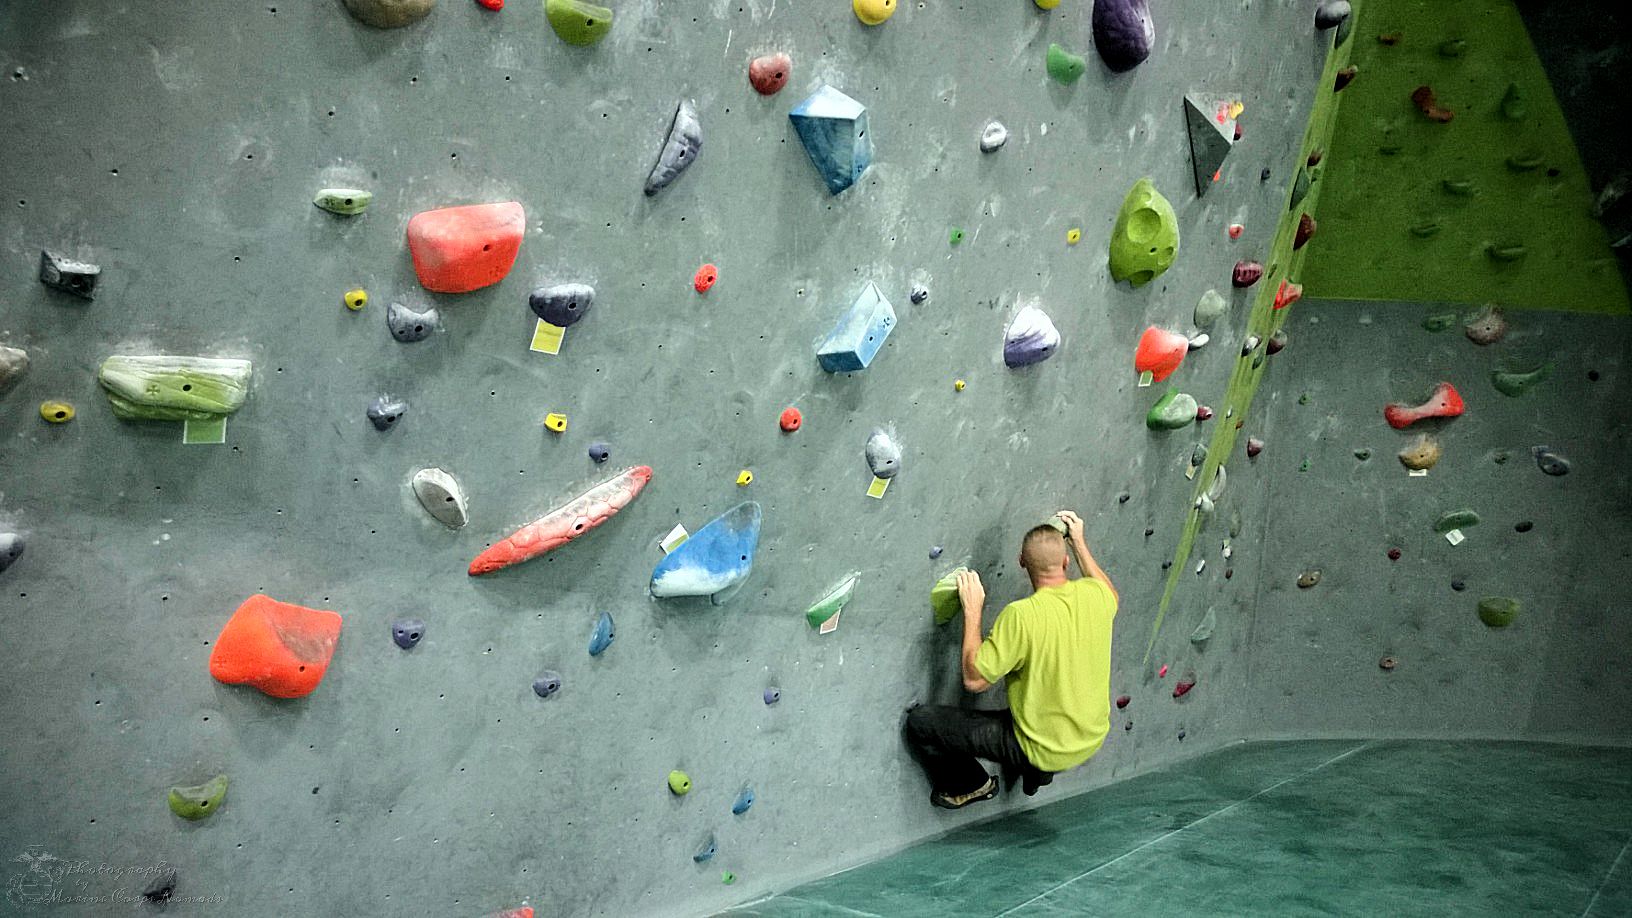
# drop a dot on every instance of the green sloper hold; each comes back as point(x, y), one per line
point(1173, 410)
point(1515, 383)
point(1513, 105)
point(347, 202)
point(1146, 236)
point(1498, 611)
point(200, 800)
point(577, 22)
point(831, 604)
point(943, 597)
point(174, 388)
point(1456, 519)
point(1064, 66)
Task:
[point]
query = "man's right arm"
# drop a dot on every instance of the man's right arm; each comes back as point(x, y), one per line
point(1079, 547)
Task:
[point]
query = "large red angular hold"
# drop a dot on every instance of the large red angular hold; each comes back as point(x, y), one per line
point(1160, 352)
point(460, 249)
point(280, 648)
point(1446, 402)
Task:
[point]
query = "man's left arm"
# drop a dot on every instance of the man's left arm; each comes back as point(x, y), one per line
point(973, 597)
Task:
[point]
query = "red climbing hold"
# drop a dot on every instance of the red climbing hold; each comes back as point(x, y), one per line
point(791, 419)
point(1163, 671)
point(1203, 413)
point(705, 278)
point(492, 4)
point(1183, 686)
point(1306, 229)
point(1246, 273)
point(1423, 96)
point(1394, 554)
point(1122, 701)
point(460, 249)
point(1288, 294)
point(1446, 402)
point(1160, 352)
point(1254, 447)
point(279, 648)
point(769, 73)
point(1236, 230)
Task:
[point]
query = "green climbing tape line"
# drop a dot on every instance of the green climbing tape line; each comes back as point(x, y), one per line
point(1264, 321)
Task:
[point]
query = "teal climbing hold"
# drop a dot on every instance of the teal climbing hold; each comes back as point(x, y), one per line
point(1145, 239)
point(1514, 383)
point(1172, 411)
point(577, 22)
point(1456, 519)
point(1498, 611)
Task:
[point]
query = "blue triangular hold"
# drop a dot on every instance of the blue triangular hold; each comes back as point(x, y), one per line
point(833, 128)
point(715, 559)
point(852, 343)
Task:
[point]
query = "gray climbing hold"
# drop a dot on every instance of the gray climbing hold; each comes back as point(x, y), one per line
point(11, 548)
point(680, 149)
point(919, 294)
point(547, 683)
point(441, 496)
point(706, 852)
point(935, 551)
point(1549, 461)
point(69, 276)
point(883, 454)
point(1211, 308)
point(1249, 345)
point(1198, 341)
point(407, 325)
point(1331, 14)
point(13, 364)
point(562, 304)
point(1205, 629)
point(159, 889)
point(1308, 579)
point(406, 632)
point(994, 136)
point(384, 412)
point(389, 14)
point(745, 799)
point(1211, 125)
point(599, 452)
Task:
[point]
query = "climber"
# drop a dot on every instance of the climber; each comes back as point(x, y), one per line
point(1054, 649)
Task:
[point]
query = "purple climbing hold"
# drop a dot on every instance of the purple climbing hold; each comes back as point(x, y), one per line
point(1030, 338)
point(406, 632)
point(773, 695)
point(547, 684)
point(935, 552)
point(1123, 33)
point(1254, 447)
point(1122, 701)
point(1246, 273)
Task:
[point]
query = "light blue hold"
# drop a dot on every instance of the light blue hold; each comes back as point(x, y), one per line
point(744, 801)
point(714, 560)
point(852, 343)
point(601, 638)
point(833, 128)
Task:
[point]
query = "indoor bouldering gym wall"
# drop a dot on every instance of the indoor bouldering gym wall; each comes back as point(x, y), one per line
point(467, 456)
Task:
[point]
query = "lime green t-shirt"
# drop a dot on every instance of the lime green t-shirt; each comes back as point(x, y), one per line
point(1055, 648)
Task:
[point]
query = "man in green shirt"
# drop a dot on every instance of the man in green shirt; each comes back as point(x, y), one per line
point(1054, 649)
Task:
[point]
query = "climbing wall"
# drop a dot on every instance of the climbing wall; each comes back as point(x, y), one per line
point(180, 151)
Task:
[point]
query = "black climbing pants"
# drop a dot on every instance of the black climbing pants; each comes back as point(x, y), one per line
point(947, 741)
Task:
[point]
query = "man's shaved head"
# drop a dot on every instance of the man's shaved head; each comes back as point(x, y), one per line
point(1043, 550)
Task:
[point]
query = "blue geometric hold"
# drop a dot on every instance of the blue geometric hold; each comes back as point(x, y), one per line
point(851, 344)
point(833, 128)
point(601, 637)
point(716, 558)
point(744, 801)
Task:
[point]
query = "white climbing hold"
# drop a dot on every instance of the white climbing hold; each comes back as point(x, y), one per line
point(995, 135)
point(442, 497)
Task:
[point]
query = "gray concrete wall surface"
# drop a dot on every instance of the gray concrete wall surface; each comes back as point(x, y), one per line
point(179, 147)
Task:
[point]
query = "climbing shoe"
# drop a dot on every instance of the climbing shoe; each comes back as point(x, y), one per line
point(957, 801)
point(1032, 779)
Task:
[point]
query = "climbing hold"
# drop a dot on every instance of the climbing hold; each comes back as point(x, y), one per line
point(1342, 78)
point(159, 889)
point(918, 294)
point(562, 305)
point(1246, 273)
point(1439, 323)
point(56, 412)
point(1204, 413)
point(833, 128)
point(995, 135)
point(1254, 447)
point(1420, 454)
point(11, 548)
point(861, 331)
point(1461, 188)
point(1488, 326)
point(1287, 294)
point(679, 783)
point(1063, 66)
point(943, 597)
point(1122, 701)
point(389, 14)
point(956, 235)
point(1308, 579)
point(347, 202)
point(824, 614)
point(772, 695)
point(407, 325)
point(935, 551)
point(745, 798)
point(1387, 664)
point(1162, 673)
point(1046, 4)
point(1123, 33)
point(69, 276)
point(556, 422)
point(727, 877)
point(1173, 410)
point(599, 452)
point(680, 148)
point(1456, 519)
point(1498, 611)
point(13, 364)
point(704, 278)
point(1525, 162)
point(1331, 14)
point(1277, 340)
point(355, 298)
point(1145, 239)
point(745, 478)
point(1454, 47)
point(1159, 353)
point(1030, 338)
point(1523, 526)
point(564, 523)
point(494, 5)
point(1073, 236)
point(873, 12)
point(406, 632)
point(1197, 342)
point(577, 22)
point(441, 496)
point(1549, 461)
point(163, 388)
point(600, 637)
point(768, 73)
point(199, 800)
point(1394, 554)
point(1210, 121)
point(790, 419)
point(1210, 308)
point(883, 454)
point(1423, 98)
point(1458, 585)
point(1446, 402)
point(1184, 685)
point(1514, 383)
point(706, 852)
point(958, 385)
point(1204, 628)
point(1306, 230)
point(385, 411)
point(547, 683)
point(715, 560)
point(460, 249)
point(1514, 107)
point(1301, 183)
point(280, 648)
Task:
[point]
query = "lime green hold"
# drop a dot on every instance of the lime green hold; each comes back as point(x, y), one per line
point(956, 236)
point(1461, 188)
point(1525, 162)
point(1498, 611)
point(1440, 322)
point(200, 800)
point(1505, 253)
point(1513, 104)
point(1172, 411)
point(577, 22)
point(174, 388)
point(1064, 66)
point(1456, 519)
point(830, 605)
point(1425, 229)
point(1145, 239)
point(943, 597)
point(347, 202)
point(1514, 383)
point(679, 783)
point(727, 877)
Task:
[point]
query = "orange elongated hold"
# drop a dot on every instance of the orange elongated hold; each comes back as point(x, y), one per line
point(564, 523)
point(278, 647)
point(460, 249)
point(1160, 352)
point(1446, 402)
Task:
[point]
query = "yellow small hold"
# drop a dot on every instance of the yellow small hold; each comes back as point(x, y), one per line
point(873, 12)
point(555, 421)
point(356, 299)
point(1073, 236)
point(957, 385)
point(57, 412)
point(745, 478)
point(1047, 4)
